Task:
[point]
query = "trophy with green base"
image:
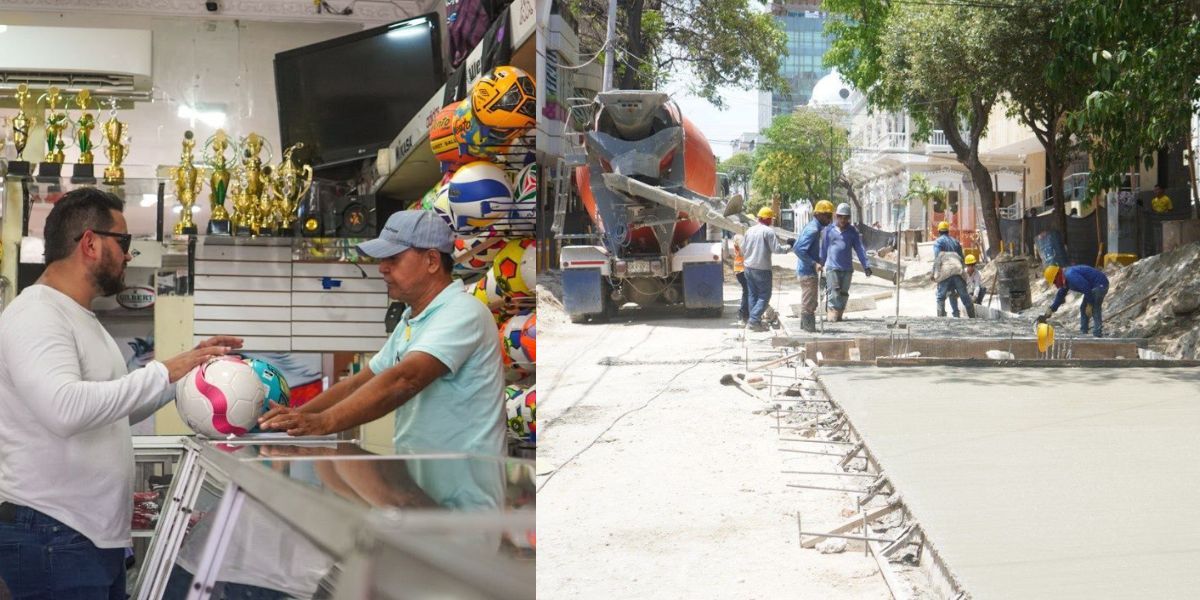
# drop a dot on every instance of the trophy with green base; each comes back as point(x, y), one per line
point(214, 156)
point(84, 170)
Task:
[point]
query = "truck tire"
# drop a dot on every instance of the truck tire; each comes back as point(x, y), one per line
point(705, 313)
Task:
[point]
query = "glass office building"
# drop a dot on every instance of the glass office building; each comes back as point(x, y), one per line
point(804, 25)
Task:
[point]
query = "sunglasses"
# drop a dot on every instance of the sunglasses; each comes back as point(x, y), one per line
point(124, 239)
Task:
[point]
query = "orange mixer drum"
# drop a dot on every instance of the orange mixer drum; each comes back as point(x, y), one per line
point(699, 175)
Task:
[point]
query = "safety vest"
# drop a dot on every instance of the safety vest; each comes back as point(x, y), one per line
point(739, 261)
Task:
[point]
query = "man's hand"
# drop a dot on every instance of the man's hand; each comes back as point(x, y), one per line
point(819, 267)
point(181, 364)
point(221, 340)
point(295, 422)
point(867, 271)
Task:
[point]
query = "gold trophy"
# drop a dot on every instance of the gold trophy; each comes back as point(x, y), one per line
point(214, 157)
point(56, 122)
point(115, 148)
point(21, 124)
point(187, 185)
point(254, 186)
point(288, 185)
point(83, 137)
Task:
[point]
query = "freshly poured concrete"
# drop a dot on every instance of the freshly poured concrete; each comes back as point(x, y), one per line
point(1042, 483)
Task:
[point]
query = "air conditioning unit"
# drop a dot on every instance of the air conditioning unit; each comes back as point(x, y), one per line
point(109, 62)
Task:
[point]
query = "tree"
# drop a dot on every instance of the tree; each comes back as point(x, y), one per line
point(802, 156)
point(1146, 58)
point(718, 42)
point(938, 62)
point(739, 168)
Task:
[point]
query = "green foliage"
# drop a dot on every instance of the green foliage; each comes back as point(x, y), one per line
point(739, 168)
point(803, 150)
point(708, 43)
point(1145, 56)
point(919, 189)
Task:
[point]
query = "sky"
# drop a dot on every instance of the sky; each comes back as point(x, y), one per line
point(720, 126)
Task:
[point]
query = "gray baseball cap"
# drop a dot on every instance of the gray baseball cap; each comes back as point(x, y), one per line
point(410, 229)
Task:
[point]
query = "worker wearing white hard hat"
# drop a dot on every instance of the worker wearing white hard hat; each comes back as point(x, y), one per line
point(838, 244)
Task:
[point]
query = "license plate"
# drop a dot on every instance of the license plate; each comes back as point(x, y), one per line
point(639, 266)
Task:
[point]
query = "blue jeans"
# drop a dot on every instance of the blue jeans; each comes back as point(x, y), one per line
point(759, 282)
point(957, 285)
point(1098, 295)
point(40, 557)
point(837, 283)
point(744, 307)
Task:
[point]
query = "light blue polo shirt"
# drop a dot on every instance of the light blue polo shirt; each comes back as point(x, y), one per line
point(462, 411)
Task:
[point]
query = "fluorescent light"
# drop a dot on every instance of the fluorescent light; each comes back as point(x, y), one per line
point(212, 118)
point(179, 208)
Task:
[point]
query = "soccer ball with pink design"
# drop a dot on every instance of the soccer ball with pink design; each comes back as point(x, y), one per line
point(220, 398)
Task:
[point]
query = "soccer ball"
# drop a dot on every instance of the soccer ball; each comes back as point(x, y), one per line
point(221, 397)
point(278, 391)
point(505, 98)
point(479, 262)
point(515, 353)
point(441, 203)
point(525, 195)
point(478, 194)
point(521, 409)
point(507, 267)
point(476, 139)
point(528, 338)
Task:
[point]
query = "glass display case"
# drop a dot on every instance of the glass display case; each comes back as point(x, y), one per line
point(266, 517)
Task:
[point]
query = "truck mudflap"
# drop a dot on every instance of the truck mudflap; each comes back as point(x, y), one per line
point(583, 293)
point(703, 286)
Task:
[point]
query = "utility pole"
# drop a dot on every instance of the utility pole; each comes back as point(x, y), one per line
point(610, 44)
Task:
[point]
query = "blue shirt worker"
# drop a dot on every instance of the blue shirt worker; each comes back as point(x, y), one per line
point(950, 281)
point(838, 241)
point(1090, 282)
point(808, 254)
point(758, 245)
point(440, 370)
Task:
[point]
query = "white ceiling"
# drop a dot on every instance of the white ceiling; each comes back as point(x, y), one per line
point(367, 12)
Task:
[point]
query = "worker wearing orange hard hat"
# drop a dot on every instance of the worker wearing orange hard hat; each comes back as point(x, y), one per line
point(1090, 282)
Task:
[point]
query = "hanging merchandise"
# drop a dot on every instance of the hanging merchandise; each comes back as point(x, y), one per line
point(510, 277)
point(521, 409)
point(478, 195)
point(476, 139)
point(515, 353)
point(525, 196)
point(505, 99)
point(469, 255)
point(442, 141)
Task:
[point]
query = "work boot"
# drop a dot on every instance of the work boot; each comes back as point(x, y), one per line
point(808, 322)
point(757, 327)
point(833, 315)
point(839, 313)
point(941, 310)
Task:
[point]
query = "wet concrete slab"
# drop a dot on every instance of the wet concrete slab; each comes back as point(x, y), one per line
point(1042, 483)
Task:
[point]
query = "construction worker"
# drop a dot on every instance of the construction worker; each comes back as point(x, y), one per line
point(837, 243)
point(1090, 282)
point(757, 246)
point(739, 267)
point(947, 272)
point(808, 253)
point(974, 281)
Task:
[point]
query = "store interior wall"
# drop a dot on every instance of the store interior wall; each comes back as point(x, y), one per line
point(215, 63)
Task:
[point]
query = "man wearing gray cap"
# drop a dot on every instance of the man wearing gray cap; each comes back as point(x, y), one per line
point(440, 370)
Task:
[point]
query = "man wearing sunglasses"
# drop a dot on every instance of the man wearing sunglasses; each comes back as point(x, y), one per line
point(66, 457)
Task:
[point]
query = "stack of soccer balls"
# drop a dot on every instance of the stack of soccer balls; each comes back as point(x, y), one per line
point(225, 396)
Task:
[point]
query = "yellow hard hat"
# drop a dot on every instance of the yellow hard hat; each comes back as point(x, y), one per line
point(824, 207)
point(969, 260)
point(1045, 336)
point(943, 226)
point(1051, 273)
point(766, 213)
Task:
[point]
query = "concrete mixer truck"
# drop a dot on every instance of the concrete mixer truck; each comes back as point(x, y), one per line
point(647, 188)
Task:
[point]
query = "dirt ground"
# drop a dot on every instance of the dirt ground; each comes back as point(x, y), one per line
point(655, 481)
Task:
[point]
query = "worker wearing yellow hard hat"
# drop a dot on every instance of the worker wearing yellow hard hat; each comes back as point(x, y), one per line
point(758, 244)
point(808, 254)
point(839, 243)
point(975, 289)
point(948, 269)
point(1090, 282)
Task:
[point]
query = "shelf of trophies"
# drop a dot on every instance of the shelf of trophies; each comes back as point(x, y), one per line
point(409, 165)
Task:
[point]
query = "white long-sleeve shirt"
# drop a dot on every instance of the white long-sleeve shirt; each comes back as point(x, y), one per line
point(66, 403)
point(758, 246)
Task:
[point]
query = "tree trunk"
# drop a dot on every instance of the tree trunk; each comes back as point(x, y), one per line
point(1056, 167)
point(967, 153)
point(630, 75)
point(845, 183)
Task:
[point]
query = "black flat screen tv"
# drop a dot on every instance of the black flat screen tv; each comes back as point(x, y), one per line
point(348, 97)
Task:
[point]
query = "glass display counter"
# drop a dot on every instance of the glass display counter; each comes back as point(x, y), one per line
point(265, 517)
